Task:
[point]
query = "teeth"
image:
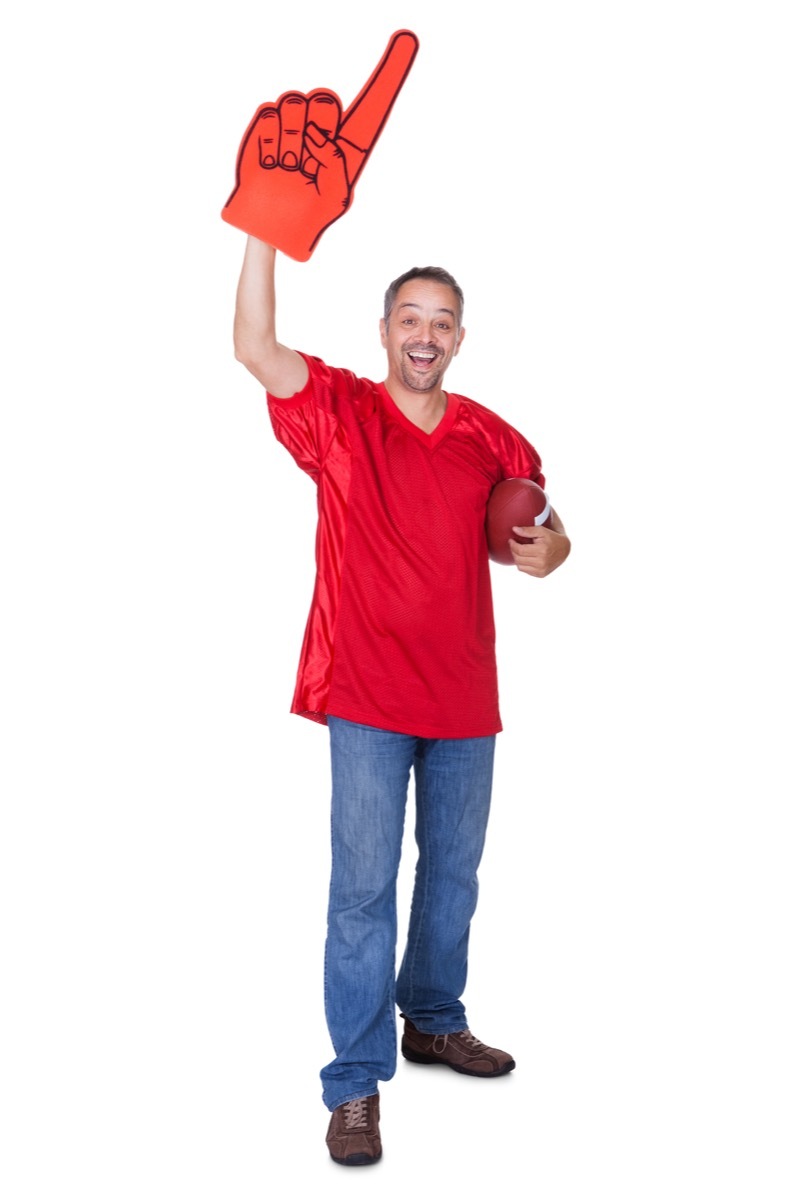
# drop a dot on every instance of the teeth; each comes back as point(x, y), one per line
point(422, 354)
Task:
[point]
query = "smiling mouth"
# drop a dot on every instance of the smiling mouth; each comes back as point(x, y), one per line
point(422, 358)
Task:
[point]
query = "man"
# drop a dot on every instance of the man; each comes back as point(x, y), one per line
point(398, 660)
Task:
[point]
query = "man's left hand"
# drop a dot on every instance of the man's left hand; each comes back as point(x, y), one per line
point(541, 556)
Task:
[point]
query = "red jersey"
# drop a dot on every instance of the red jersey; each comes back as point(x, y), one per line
point(401, 629)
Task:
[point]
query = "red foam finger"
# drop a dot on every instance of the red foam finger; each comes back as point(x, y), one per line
point(297, 164)
point(364, 119)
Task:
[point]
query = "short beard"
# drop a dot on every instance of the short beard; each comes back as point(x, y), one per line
point(428, 383)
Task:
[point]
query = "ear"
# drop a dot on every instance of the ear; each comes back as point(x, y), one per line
point(461, 336)
point(383, 332)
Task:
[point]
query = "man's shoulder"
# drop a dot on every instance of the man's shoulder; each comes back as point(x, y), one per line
point(483, 415)
point(322, 371)
point(504, 442)
point(338, 389)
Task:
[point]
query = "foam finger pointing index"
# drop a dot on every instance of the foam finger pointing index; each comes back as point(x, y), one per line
point(366, 116)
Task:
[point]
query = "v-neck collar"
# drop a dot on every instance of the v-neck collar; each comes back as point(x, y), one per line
point(431, 440)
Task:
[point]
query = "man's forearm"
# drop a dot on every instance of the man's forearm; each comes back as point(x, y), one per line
point(555, 522)
point(281, 371)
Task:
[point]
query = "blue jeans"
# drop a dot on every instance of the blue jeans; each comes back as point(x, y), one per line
point(371, 769)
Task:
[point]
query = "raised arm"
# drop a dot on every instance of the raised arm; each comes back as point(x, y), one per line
point(280, 370)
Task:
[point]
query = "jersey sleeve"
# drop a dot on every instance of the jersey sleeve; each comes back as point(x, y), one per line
point(518, 459)
point(309, 422)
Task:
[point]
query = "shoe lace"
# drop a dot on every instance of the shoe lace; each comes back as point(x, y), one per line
point(355, 1114)
point(472, 1042)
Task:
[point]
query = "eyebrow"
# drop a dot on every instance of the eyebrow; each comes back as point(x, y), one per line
point(410, 304)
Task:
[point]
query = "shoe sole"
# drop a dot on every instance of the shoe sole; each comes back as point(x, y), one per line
point(426, 1061)
point(358, 1160)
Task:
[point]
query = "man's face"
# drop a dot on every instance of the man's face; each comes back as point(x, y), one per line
point(422, 334)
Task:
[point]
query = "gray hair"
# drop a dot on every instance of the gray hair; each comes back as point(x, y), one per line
point(434, 274)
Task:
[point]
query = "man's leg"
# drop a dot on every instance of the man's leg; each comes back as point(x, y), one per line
point(370, 770)
point(453, 795)
point(453, 791)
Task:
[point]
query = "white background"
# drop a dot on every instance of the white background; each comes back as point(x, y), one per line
point(615, 187)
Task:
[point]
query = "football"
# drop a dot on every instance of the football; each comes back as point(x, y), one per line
point(513, 502)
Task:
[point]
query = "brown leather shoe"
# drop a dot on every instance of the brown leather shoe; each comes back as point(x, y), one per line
point(353, 1135)
point(461, 1051)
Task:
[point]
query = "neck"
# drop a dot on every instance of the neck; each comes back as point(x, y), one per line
point(424, 409)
